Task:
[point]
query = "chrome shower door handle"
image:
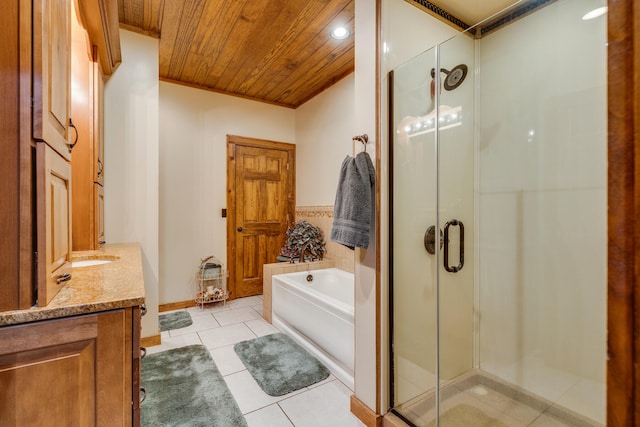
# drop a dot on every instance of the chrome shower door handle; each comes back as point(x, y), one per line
point(454, 269)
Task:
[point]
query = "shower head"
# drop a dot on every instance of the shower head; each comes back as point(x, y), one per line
point(455, 77)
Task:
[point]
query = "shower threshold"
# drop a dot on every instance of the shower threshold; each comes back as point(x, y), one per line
point(478, 398)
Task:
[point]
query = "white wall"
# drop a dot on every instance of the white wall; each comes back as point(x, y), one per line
point(131, 160)
point(324, 128)
point(193, 129)
point(194, 125)
point(406, 32)
point(366, 302)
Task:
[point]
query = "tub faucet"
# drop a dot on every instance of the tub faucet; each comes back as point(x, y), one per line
point(306, 248)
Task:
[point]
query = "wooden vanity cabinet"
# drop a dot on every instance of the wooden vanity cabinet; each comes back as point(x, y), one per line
point(71, 371)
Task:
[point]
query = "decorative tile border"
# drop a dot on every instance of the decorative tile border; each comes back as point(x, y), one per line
point(443, 14)
point(314, 211)
point(516, 12)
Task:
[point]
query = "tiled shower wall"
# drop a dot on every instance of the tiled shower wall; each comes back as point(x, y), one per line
point(322, 217)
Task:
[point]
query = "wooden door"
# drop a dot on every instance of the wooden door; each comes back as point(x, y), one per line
point(261, 204)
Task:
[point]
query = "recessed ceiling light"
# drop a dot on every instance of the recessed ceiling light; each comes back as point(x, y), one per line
point(340, 33)
point(595, 13)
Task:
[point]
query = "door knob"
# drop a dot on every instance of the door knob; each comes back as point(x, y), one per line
point(240, 228)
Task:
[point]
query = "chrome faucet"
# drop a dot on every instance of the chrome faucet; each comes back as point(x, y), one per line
point(306, 248)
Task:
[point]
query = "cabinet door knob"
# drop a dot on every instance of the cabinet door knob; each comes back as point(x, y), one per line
point(240, 228)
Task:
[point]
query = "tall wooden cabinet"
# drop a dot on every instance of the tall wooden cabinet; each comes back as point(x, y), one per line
point(16, 207)
point(88, 154)
point(35, 134)
point(51, 135)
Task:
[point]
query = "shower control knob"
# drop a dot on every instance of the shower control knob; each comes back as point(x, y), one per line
point(240, 228)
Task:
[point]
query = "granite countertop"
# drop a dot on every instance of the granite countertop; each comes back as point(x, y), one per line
point(117, 284)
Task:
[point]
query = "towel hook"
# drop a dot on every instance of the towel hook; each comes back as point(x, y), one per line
point(364, 139)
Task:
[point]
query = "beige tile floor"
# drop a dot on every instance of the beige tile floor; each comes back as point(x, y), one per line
point(517, 410)
point(218, 327)
point(558, 391)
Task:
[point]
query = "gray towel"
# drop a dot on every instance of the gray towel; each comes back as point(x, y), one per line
point(354, 200)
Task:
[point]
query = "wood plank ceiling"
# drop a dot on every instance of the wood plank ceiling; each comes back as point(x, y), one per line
point(276, 51)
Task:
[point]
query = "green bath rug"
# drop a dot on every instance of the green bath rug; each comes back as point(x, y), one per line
point(279, 365)
point(175, 320)
point(184, 388)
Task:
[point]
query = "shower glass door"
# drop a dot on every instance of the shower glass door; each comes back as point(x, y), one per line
point(498, 224)
point(433, 226)
point(414, 172)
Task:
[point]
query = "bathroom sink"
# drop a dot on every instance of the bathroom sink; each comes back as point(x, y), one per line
point(90, 262)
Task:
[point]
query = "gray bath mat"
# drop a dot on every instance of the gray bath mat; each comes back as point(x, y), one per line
point(279, 365)
point(185, 388)
point(175, 320)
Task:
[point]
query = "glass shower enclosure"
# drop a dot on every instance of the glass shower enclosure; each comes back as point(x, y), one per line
point(498, 223)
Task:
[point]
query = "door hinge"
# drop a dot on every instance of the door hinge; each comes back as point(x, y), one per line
point(32, 102)
point(287, 165)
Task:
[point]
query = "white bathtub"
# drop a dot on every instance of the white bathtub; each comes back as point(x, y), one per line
point(318, 314)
